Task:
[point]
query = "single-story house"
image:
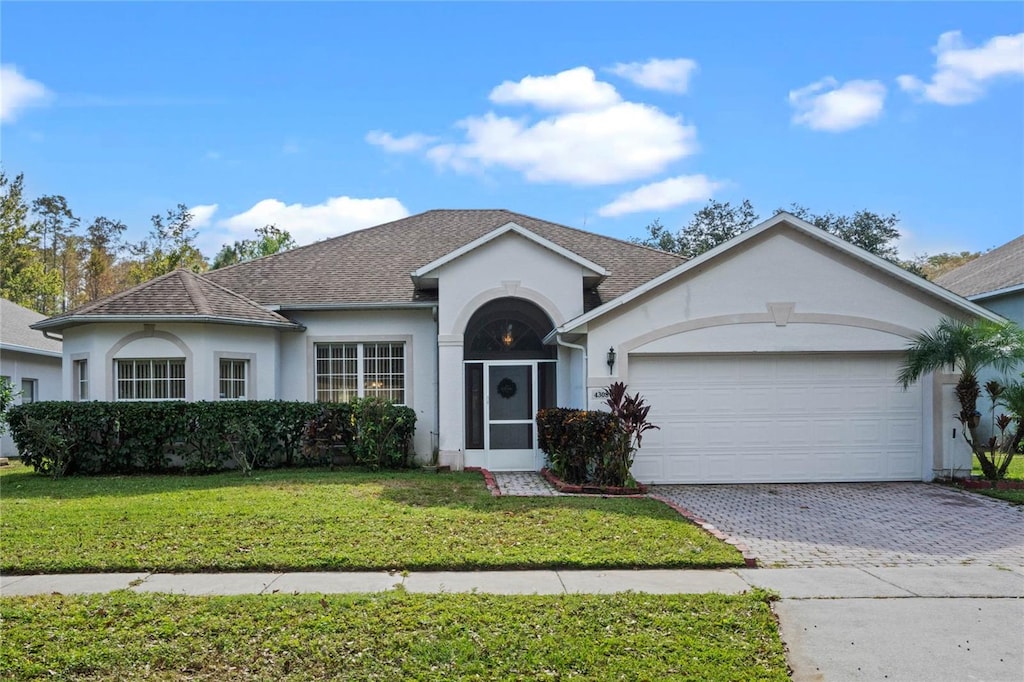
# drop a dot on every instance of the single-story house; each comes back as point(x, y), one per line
point(29, 361)
point(770, 358)
point(994, 280)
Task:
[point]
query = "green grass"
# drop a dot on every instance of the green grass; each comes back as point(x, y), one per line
point(321, 520)
point(390, 636)
point(1014, 472)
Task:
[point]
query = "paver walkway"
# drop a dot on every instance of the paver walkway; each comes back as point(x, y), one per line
point(860, 524)
point(524, 484)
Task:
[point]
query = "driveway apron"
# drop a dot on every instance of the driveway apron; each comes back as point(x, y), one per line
point(860, 524)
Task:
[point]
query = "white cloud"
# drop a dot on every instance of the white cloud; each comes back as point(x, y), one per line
point(623, 142)
point(661, 195)
point(572, 90)
point(827, 105)
point(399, 145)
point(202, 214)
point(962, 72)
point(306, 224)
point(18, 93)
point(666, 75)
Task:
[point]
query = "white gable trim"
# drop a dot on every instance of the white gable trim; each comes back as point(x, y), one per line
point(577, 325)
point(425, 271)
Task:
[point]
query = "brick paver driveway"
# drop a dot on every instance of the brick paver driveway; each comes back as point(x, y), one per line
point(859, 524)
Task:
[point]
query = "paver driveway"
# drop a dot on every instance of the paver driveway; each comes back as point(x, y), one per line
point(860, 524)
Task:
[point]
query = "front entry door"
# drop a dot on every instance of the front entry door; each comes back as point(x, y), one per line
point(510, 404)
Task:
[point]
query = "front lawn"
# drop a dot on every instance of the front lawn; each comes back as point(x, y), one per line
point(1014, 472)
point(295, 520)
point(390, 636)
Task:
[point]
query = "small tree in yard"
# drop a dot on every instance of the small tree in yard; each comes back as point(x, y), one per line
point(969, 348)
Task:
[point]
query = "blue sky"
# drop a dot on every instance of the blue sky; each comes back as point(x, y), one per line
point(327, 117)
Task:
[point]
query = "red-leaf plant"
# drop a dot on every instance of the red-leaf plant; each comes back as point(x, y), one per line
point(631, 411)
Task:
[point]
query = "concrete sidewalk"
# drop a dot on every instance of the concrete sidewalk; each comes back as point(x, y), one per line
point(789, 583)
point(897, 623)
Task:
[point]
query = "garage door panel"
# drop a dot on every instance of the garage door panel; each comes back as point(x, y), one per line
point(795, 417)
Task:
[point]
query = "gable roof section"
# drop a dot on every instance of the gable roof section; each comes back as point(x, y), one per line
point(782, 218)
point(179, 296)
point(16, 333)
point(595, 273)
point(371, 267)
point(995, 272)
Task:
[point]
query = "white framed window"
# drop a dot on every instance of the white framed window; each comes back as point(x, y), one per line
point(81, 379)
point(345, 371)
point(233, 379)
point(29, 392)
point(150, 379)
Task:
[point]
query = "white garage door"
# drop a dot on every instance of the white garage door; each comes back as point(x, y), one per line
point(777, 418)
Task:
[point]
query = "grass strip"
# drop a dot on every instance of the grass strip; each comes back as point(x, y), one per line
point(390, 636)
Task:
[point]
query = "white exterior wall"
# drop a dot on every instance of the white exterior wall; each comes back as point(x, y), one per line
point(508, 266)
point(782, 292)
point(415, 327)
point(202, 346)
point(19, 365)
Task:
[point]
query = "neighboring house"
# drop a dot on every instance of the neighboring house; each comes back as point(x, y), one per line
point(770, 358)
point(29, 361)
point(995, 280)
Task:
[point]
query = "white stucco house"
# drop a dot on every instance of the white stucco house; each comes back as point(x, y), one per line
point(30, 361)
point(770, 358)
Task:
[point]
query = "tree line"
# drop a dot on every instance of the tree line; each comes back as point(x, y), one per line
point(718, 222)
point(51, 261)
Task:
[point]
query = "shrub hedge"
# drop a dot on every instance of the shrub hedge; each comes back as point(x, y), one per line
point(60, 438)
point(585, 447)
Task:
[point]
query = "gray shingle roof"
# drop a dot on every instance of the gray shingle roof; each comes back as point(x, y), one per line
point(179, 294)
point(373, 265)
point(1000, 268)
point(15, 330)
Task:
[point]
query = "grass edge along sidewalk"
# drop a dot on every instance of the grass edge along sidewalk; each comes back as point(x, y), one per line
point(392, 635)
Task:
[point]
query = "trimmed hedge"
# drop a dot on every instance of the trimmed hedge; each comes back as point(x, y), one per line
point(60, 438)
point(585, 447)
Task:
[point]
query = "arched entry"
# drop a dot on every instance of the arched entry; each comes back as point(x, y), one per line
point(509, 375)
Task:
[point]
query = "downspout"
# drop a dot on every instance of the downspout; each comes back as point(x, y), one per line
point(52, 336)
point(583, 350)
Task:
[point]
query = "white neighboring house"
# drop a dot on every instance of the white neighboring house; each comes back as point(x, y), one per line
point(771, 358)
point(29, 360)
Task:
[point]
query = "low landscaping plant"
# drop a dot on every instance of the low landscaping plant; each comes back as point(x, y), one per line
point(59, 438)
point(594, 447)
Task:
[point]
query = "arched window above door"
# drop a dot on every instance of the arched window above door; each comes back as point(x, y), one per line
point(508, 328)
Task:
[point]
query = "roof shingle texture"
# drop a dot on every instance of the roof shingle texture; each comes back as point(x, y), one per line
point(179, 293)
point(14, 328)
point(1000, 268)
point(374, 265)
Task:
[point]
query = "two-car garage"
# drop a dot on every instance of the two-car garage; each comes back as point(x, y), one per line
point(777, 418)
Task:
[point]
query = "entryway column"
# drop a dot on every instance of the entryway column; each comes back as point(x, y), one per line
point(451, 411)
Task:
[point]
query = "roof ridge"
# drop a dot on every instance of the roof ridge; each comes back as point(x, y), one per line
point(194, 293)
point(245, 299)
point(597, 234)
point(114, 297)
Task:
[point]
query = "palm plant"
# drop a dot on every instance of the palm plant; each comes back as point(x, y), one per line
point(968, 348)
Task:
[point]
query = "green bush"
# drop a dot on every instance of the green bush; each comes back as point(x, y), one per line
point(582, 446)
point(60, 438)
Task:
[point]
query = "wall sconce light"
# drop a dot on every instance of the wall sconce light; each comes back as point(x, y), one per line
point(611, 359)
